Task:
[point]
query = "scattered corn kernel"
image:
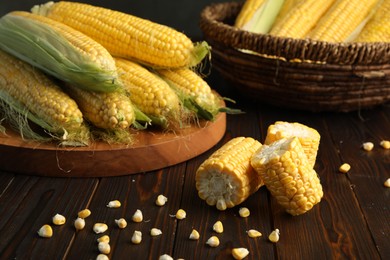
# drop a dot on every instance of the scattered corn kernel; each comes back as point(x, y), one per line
point(385, 144)
point(165, 257)
point(161, 200)
point(240, 253)
point(155, 232)
point(387, 183)
point(58, 219)
point(85, 213)
point(104, 238)
point(114, 204)
point(274, 236)
point(368, 146)
point(181, 214)
point(102, 257)
point(344, 168)
point(244, 212)
point(104, 248)
point(137, 237)
point(194, 235)
point(253, 233)
point(213, 241)
point(79, 223)
point(100, 228)
point(121, 223)
point(138, 216)
point(45, 231)
point(218, 227)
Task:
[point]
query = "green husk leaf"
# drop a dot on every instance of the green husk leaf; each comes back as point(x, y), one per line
point(41, 46)
point(201, 50)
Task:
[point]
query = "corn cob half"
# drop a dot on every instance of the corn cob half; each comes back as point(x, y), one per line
point(128, 36)
point(287, 174)
point(227, 178)
point(58, 50)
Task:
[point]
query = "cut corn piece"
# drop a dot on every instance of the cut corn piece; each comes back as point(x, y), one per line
point(58, 219)
point(385, 144)
point(45, 231)
point(240, 253)
point(218, 227)
point(288, 175)
point(253, 233)
point(213, 241)
point(274, 236)
point(227, 178)
point(79, 223)
point(100, 228)
point(59, 50)
point(128, 36)
point(84, 213)
point(308, 137)
point(194, 235)
point(344, 168)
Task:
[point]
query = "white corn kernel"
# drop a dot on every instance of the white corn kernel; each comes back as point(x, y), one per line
point(45, 231)
point(138, 216)
point(194, 235)
point(100, 228)
point(79, 223)
point(344, 168)
point(244, 212)
point(181, 214)
point(218, 227)
point(165, 257)
point(387, 183)
point(121, 223)
point(253, 233)
point(84, 213)
point(104, 248)
point(155, 232)
point(104, 238)
point(58, 219)
point(114, 204)
point(213, 241)
point(161, 200)
point(274, 236)
point(137, 237)
point(368, 146)
point(240, 253)
point(385, 144)
point(102, 257)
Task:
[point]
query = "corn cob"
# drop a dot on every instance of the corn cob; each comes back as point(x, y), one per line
point(247, 11)
point(286, 7)
point(227, 178)
point(287, 174)
point(35, 96)
point(377, 28)
point(152, 95)
point(128, 36)
point(58, 50)
point(308, 137)
point(341, 20)
point(301, 18)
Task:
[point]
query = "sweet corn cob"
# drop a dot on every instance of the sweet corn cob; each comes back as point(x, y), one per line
point(150, 93)
point(247, 11)
point(59, 50)
point(31, 93)
point(287, 174)
point(286, 7)
point(308, 137)
point(128, 36)
point(227, 178)
point(341, 20)
point(301, 18)
point(377, 28)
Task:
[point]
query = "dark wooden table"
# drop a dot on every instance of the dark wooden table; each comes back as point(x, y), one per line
point(351, 222)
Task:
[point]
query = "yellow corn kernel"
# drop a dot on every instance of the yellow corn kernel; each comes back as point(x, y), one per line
point(104, 248)
point(344, 168)
point(114, 204)
point(385, 144)
point(100, 228)
point(58, 219)
point(301, 18)
point(247, 11)
point(288, 175)
point(180, 214)
point(194, 235)
point(218, 227)
point(161, 200)
point(274, 236)
point(368, 146)
point(136, 237)
point(253, 233)
point(341, 20)
point(121, 223)
point(213, 241)
point(244, 212)
point(137, 216)
point(240, 253)
point(165, 257)
point(85, 213)
point(128, 36)
point(104, 238)
point(155, 232)
point(102, 257)
point(308, 137)
point(387, 183)
point(227, 178)
point(45, 231)
point(79, 223)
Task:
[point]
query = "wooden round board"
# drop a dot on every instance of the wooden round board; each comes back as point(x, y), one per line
point(152, 150)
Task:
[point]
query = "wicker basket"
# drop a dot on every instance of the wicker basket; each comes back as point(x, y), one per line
point(332, 77)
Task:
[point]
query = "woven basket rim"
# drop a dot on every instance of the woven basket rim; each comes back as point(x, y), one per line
point(215, 27)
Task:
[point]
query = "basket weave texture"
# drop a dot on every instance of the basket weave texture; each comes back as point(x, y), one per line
point(296, 73)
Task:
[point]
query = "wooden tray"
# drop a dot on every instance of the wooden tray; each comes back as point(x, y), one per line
point(152, 150)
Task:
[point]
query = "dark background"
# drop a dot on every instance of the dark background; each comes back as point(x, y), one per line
point(182, 15)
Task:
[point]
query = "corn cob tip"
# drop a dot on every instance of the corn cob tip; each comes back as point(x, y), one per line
point(200, 52)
